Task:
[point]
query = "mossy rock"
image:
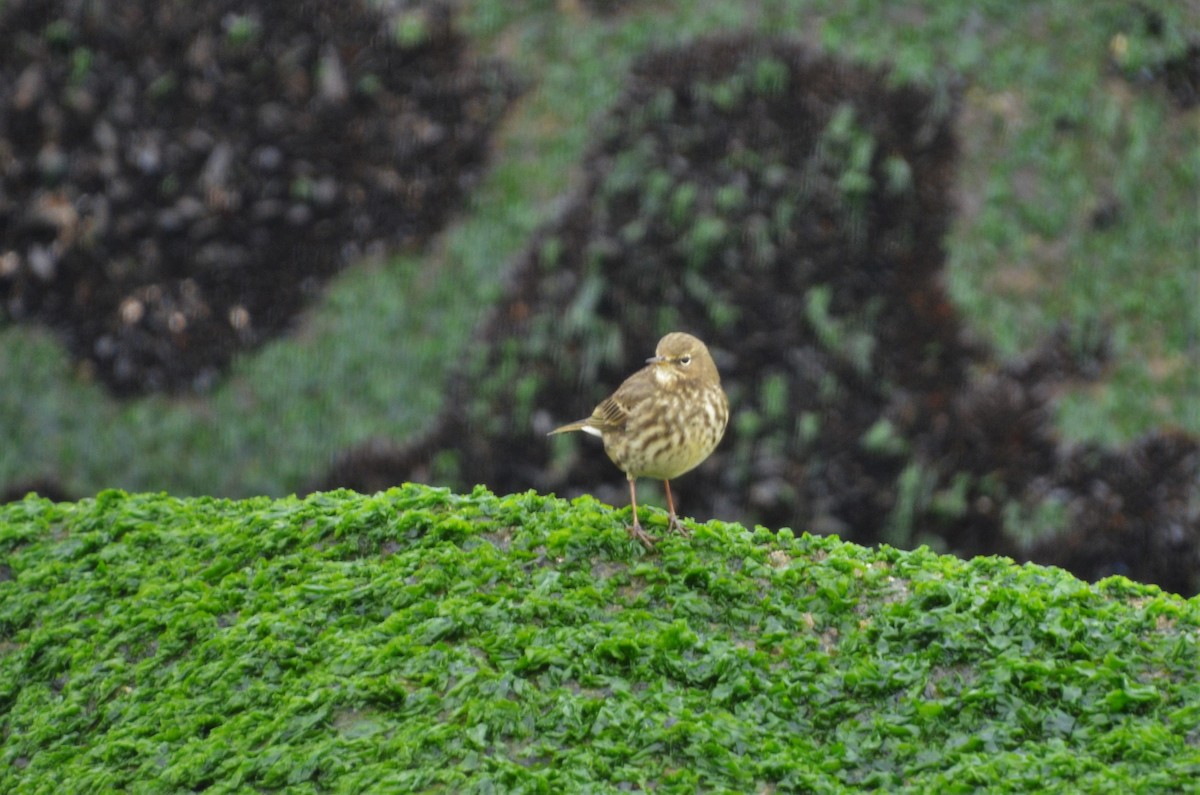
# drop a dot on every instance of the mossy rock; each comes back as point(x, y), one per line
point(420, 640)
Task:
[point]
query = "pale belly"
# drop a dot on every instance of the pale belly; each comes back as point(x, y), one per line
point(666, 447)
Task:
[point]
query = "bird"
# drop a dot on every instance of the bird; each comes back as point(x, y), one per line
point(663, 421)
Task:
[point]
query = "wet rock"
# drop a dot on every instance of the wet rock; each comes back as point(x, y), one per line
point(193, 121)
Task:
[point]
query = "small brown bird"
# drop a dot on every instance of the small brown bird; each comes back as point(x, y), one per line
point(663, 421)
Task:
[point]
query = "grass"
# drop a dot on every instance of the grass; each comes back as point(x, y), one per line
point(419, 640)
point(1050, 134)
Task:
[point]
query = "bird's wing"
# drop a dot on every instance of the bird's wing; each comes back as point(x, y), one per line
point(613, 412)
point(609, 414)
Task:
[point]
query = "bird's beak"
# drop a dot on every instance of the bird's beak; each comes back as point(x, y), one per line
point(656, 359)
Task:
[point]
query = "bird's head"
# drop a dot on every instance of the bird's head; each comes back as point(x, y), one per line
point(681, 355)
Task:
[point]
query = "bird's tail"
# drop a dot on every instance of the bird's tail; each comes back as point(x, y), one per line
point(578, 425)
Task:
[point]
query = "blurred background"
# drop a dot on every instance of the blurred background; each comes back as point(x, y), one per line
point(947, 256)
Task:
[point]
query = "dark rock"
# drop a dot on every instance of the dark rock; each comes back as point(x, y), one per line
point(193, 122)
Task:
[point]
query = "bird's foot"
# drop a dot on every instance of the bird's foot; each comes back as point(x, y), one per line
point(674, 524)
point(636, 531)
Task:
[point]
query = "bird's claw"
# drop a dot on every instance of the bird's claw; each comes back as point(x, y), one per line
point(677, 526)
point(636, 531)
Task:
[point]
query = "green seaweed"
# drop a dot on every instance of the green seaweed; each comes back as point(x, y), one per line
point(420, 640)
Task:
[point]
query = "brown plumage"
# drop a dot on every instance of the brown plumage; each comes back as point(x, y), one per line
point(663, 421)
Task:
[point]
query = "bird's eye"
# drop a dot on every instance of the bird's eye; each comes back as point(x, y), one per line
point(685, 360)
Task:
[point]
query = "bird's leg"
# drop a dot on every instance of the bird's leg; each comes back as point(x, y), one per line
point(635, 529)
point(673, 523)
